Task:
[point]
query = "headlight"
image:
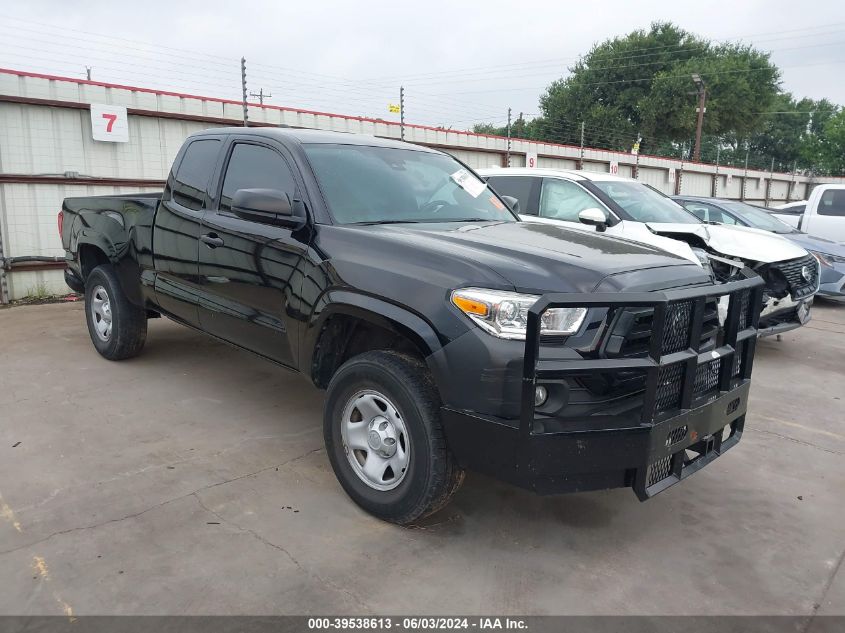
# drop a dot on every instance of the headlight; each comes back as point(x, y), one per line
point(703, 257)
point(505, 314)
point(826, 259)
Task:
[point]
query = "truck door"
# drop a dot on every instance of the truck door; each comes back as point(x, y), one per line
point(248, 269)
point(177, 227)
point(828, 218)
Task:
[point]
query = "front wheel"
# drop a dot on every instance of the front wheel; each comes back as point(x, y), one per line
point(384, 439)
point(118, 328)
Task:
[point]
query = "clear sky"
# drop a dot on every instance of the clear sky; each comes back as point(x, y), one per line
point(460, 62)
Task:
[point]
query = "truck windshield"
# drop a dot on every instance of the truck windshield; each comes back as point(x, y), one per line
point(645, 204)
point(757, 218)
point(381, 185)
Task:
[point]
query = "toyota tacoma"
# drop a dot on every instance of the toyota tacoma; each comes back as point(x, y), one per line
point(448, 334)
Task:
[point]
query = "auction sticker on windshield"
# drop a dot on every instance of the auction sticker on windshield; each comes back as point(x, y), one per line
point(469, 183)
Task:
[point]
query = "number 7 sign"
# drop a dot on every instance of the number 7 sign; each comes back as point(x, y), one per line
point(109, 123)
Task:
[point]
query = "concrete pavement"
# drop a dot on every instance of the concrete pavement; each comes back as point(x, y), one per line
point(192, 480)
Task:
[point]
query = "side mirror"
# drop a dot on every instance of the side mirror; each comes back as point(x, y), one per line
point(268, 206)
point(594, 217)
point(512, 202)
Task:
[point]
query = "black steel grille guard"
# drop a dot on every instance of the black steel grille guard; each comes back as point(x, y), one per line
point(739, 341)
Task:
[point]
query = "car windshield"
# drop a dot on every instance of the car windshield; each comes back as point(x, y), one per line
point(757, 218)
point(645, 204)
point(384, 185)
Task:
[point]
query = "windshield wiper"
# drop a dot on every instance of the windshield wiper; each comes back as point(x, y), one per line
point(469, 220)
point(371, 222)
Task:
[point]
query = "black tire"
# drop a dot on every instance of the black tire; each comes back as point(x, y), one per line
point(433, 475)
point(128, 321)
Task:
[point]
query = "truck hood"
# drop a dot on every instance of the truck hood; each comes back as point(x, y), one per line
point(528, 257)
point(634, 231)
point(735, 241)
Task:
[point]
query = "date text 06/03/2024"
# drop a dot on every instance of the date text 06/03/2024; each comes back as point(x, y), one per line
point(418, 623)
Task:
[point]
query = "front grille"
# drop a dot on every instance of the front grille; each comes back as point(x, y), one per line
point(737, 362)
point(669, 380)
point(793, 271)
point(676, 328)
point(659, 470)
point(706, 377)
point(676, 435)
point(744, 313)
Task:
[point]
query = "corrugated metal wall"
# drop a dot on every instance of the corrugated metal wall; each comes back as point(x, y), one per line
point(46, 149)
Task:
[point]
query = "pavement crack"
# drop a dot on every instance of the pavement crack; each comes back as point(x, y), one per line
point(135, 515)
point(161, 466)
point(356, 600)
point(825, 591)
point(792, 439)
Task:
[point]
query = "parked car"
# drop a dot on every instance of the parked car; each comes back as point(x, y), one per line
point(830, 254)
point(795, 207)
point(823, 215)
point(592, 201)
point(448, 334)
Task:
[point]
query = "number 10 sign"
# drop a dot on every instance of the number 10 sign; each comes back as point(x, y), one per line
point(109, 123)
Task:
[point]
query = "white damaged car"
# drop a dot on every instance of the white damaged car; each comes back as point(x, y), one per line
point(594, 201)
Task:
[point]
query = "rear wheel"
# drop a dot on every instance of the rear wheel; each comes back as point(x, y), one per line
point(118, 328)
point(384, 439)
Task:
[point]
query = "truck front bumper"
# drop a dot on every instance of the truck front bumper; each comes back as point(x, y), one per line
point(691, 409)
point(647, 458)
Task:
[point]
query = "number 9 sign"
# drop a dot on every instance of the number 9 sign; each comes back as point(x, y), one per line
point(109, 123)
point(531, 159)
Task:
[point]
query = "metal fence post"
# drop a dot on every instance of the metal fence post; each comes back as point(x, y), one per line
point(508, 155)
point(243, 85)
point(581, 155)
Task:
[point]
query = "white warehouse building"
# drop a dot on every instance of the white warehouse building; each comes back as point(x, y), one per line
point(50, 150)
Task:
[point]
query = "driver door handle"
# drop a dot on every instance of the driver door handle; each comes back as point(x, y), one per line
point(212, 240)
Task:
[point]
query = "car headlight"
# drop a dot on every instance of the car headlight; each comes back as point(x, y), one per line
point(826, 259)
point(505, 314)
point(703, 257)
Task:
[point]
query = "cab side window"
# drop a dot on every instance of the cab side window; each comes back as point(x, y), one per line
point(255, 167)
point(832, 202)
point(564, 200)
point(194, 172)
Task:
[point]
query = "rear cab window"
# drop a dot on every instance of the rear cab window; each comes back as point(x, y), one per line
point(190, 183)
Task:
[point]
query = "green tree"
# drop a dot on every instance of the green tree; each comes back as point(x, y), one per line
point(825, 151)
point(641, 83)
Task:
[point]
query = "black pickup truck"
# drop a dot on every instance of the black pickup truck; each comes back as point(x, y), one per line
point(448, 334)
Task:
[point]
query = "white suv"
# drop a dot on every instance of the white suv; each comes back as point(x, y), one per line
point(595, 201)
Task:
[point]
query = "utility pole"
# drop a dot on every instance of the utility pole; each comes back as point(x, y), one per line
point(243, 85)
point(402, 112)
point(508, 155)
point(701, 90)
point(88, 72)
point(581, 154)
point(260, 94)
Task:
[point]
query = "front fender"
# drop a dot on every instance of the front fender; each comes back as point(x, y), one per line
point(373, 309)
